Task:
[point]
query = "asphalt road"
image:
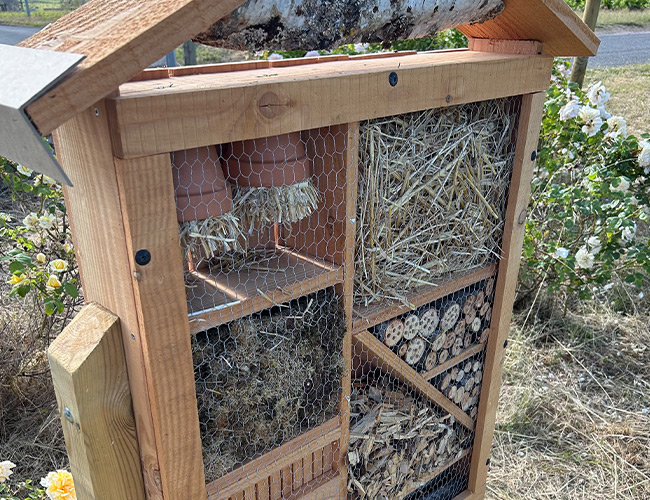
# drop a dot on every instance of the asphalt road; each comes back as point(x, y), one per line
point(11, 35)
point(620, 49)
point(616, 49)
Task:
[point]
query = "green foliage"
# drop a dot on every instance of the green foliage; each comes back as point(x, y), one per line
point(590, 193)
point(24, 490)
point(613, 4)
point(449, 39)
point(36, 250)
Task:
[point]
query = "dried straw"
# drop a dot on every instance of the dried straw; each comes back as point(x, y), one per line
point(212, 237)
point(432, 195)
point(260, 206)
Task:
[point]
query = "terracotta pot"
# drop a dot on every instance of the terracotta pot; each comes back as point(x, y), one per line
point(268, 162)
point(199, 183)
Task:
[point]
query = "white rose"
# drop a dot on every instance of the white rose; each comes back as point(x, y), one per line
point(629, 233)
point(24, 170)
point(570, 110)
point(644, 156)
point(617, 127)
point(561, 253)
point(594, 244)
point(5, 470)
point(604, 114)
point(276, 57)
point(584, 259)
point(588, 114)
point(597, 94)
point(312, 53)
point(592, 120)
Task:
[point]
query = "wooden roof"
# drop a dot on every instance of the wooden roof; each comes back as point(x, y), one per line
point(121, 37)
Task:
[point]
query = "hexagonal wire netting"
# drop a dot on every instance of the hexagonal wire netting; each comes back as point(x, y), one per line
point(262, 226)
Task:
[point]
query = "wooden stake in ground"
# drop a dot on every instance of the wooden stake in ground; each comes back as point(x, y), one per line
point(592, 7)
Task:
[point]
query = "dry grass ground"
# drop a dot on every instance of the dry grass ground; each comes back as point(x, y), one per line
point(608, 18)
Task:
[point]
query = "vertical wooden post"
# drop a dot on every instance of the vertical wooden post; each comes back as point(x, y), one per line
point(146, 192)
point(110, 223)
point(532, 108)
point(590, 17)
point(189, 53)
point(351, 174)
point(94, 400)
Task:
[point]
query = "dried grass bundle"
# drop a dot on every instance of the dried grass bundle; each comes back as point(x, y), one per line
point(432, 195)
point(211, 237)
point(260, 206)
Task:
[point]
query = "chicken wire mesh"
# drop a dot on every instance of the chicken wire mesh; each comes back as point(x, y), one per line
point(404, 441)
point(267, 228)
point(433, 187)
point(267, 378)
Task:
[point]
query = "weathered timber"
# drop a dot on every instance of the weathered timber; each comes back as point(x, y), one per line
point(315, 24)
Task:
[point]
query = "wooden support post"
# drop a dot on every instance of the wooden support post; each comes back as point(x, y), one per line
point(94, 400)
point(189, 53)
point(532, 108)
point(108, 223)
point(592, 8)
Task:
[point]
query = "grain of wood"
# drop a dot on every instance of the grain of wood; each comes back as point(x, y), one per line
point(92, 386)
point(186, 112)
point(530, 122)
point(149, 212)
point(119, 39)
point(551, 22)
point(104, 260)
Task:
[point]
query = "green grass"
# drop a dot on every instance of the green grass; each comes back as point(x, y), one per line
point(624, 17)
point(630, 97)
point(42, 14)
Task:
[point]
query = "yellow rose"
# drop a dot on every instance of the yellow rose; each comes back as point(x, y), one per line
point(31, 221)
point(59, 485)
point(67, 248)
point(16, 279)
point(53, 283)
point(59, 265)
point(40, 258)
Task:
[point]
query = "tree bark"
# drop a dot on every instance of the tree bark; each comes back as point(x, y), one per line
point(592, 7)
point(326, 24)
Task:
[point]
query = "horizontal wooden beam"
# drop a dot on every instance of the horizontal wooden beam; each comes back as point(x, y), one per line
point(170, 114)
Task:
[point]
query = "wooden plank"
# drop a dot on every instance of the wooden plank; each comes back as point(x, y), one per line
point(385, 359)
point(506, 46)
point(94, 400)
point(324, 487)
point(296, 470)
point(226, 301)
point(287, 481)
point(146, 194)
point(263, 489)
point(467, 353)
point(318, 462)
point(279, 458)
point(181, 113)
point(83, 148)
point(551, 22)
point(367, 317)
point(515, 222)
point(307, 467)
point(119, 38)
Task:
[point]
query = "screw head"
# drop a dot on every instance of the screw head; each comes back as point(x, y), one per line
point(142, 257)
point(533, 156)
point(487, 462)
point(68, 415)
point(505, 344)
point(392, 79)
point(96, 110)
point(448, 99)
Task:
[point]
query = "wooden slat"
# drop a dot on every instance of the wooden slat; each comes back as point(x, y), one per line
point(436, 472)
point(92, 388)
point(303, 276)
point(551, 22)
point(515, 223)
point(276, 486)
point(287, 481)
point(467, 353)
point(146, 194)
point(506, 46)
point(263, 489)
point(367, 317)
point(324, 487)
point(119, 39)
point(385, 359)
point(93, 207)
point(296, 470)
point(186, 112)
point(279, 458)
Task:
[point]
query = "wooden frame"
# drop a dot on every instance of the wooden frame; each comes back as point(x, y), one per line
point(127, 138)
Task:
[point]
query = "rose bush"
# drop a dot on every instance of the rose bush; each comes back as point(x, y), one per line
point(589, 196)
